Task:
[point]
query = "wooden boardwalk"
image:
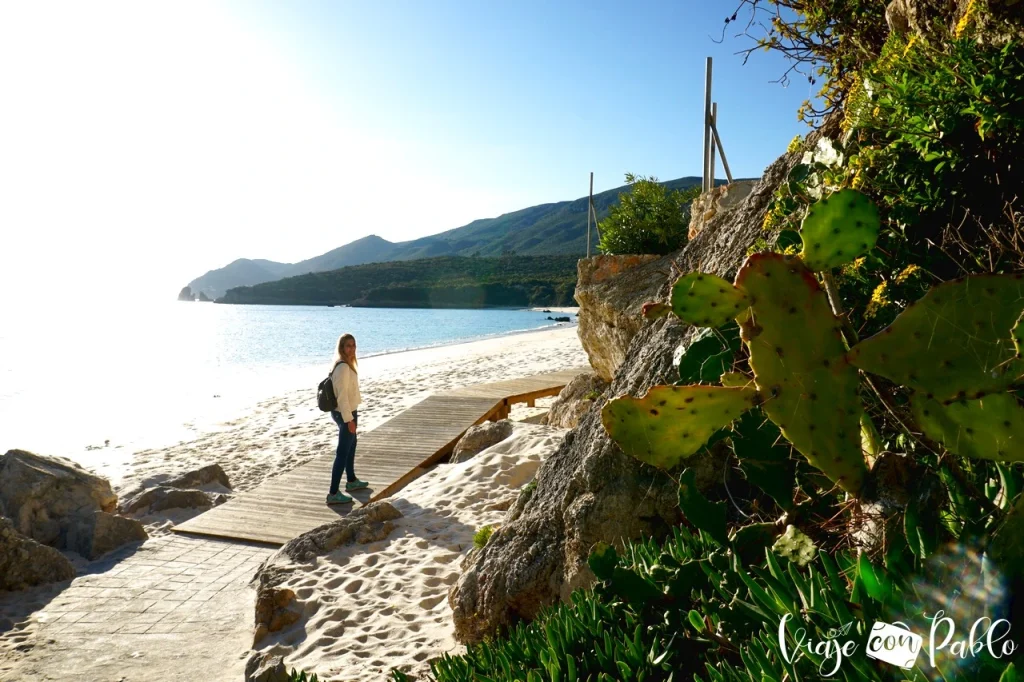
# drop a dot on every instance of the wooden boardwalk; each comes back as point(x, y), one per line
point(389, 457)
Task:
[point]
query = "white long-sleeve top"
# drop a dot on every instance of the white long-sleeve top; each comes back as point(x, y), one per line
point(346, 389)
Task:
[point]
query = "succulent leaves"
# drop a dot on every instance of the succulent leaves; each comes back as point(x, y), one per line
point(706, 300)
point(838, 229)
point(955, 342)
point(672, 423)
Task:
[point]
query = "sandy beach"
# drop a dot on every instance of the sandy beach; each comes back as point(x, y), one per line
point(367, 608)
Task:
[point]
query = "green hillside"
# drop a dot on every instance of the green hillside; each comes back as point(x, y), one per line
point(547, 229)
point(447, 281)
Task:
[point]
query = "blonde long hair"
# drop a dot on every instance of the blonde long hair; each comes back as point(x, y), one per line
point(339, 353)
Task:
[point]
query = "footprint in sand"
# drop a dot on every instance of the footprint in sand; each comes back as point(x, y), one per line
point(431, 602)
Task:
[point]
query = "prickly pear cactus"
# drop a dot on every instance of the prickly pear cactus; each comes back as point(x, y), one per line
point(798, 358)
point(955, 342)
point(838, 229)
point(671, 423)
point(988, 428)
point(795, 546)
point(736, 380)
point(706, 300)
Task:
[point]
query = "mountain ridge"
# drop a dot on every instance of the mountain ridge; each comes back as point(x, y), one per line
point(550, 229)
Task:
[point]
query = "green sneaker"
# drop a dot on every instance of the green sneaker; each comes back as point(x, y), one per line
point(338, 498)
point(356, 485)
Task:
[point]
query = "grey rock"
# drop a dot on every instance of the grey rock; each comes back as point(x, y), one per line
point(265, 667)
point(96, 534)
point(25, 563)
point(611, 291)
point(481, 437)
point(43, 494)
point(719, 199)
point(364, 525)
point(995, 23)
point(211, 473)
point(588, 490)
point(575, 400)
point(161, 498)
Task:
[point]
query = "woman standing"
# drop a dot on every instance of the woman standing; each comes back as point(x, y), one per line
point(345, 379)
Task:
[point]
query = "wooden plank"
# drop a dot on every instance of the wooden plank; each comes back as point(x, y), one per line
point(389, 457)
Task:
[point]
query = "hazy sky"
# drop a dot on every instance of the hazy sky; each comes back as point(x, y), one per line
point(144, 143)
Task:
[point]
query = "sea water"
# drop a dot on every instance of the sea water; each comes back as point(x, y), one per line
point(112, 378)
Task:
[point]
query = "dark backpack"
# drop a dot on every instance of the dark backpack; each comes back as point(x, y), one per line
point(325, 397)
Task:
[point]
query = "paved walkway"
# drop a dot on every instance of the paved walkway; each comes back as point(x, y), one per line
point(174, 608)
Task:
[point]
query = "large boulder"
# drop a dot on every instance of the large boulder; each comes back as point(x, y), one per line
point(162, 497)
point(95, 534)
point(575, 400)
point(479, 438)
point(43, 495)
point(611, 290)
point(207, 475)
point(364, 525)
point(25, 563)
point(588, 490)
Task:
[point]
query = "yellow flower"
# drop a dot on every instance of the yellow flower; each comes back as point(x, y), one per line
point(879, 300)
point(794, 144)
point(910, 43)
point(907, 273)
point(966, 19)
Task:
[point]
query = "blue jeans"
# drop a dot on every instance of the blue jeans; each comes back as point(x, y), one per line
point(346, 457)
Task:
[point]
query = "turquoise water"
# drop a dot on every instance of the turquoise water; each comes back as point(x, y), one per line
point(73, 377)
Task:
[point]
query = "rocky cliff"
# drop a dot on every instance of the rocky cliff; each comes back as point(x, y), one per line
point(589, 491)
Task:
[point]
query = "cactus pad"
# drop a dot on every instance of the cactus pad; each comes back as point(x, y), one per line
point(795, 546)
point(736, 380)
point(706, 300)
point(798, 358)
point(671, 423)
point(989, 428)
point(838, 229)
point(955, 342)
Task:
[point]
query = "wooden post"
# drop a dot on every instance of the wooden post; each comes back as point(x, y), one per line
point(714, 120)
point(721, 152)
point(589, 205)
point(707, 124)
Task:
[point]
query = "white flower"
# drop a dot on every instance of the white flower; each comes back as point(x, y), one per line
point(826, 153)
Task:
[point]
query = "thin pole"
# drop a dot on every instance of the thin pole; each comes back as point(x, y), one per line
point(721, 152)
point(714, 120)
point(589, 204)
point(707, 124)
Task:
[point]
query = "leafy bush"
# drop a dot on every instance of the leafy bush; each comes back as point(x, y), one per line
point(647, 219)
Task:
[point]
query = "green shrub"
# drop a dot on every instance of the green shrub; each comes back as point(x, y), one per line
point(647, 219)
point(481, 537)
